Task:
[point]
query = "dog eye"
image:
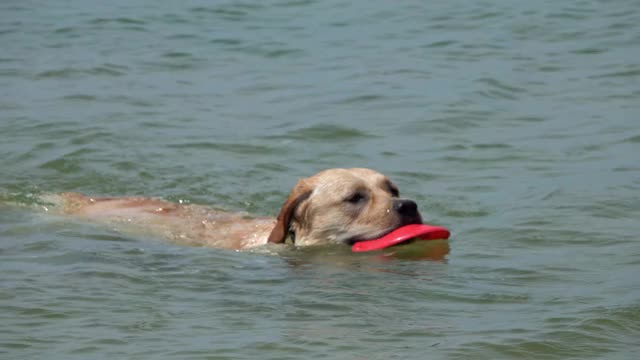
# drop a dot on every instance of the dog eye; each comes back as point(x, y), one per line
point(355, 198)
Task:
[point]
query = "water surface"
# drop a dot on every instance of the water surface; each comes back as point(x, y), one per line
point(515, 124)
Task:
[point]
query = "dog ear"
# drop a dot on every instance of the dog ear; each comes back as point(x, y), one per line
point(301, 191)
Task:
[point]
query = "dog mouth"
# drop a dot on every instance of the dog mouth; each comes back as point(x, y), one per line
point(356, 239)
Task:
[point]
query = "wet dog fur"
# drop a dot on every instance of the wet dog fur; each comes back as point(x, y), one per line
point(335, 206)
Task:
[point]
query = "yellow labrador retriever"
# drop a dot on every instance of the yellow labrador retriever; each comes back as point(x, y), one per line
point(334, 206)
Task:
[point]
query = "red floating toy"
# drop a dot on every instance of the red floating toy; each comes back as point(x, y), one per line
point(402, 234)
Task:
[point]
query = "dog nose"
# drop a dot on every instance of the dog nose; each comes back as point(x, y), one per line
point(406, 208)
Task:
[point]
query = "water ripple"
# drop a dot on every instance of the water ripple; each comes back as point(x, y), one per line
point(106, 70)
point(513, 125)
point(324, 132)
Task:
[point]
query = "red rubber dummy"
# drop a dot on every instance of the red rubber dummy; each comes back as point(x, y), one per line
point(402, 234)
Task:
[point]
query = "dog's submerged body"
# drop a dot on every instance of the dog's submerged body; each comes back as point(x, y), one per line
point(334, 206)
point(184, 224)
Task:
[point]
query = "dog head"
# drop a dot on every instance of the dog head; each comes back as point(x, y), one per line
point(342, 206)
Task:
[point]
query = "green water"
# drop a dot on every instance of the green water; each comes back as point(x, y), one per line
point(513, 123)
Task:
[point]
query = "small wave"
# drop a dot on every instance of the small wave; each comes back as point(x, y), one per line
point(105, 70)
point(325, 132)
point(79, 97)
point(226, 41)
point(440, 44)
point(634, 139)
point(245, 149)
point(361, 99)
point(633, 72)
point(498, 89)
point(119, 20)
